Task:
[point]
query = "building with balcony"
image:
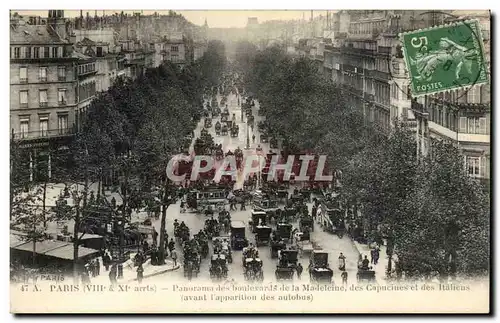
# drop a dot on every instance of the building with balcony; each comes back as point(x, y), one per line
point(364, 58)
point(43, 90)
point(462, 116)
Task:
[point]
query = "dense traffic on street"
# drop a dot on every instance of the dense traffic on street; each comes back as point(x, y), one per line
point(253, 230)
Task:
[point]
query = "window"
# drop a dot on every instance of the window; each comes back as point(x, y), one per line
point(175, 48)
point(36, 52)
point(395, 91)
point(61, 73)
point(44, 126)
point(28, 52)
point(17, 52)
point(24, 126)
point(42, 74)
point(23, 74)
point(54, 52)
point(473, 95)
point(62, 123)
point(46, 52)
point(43, 98)
point(462, 127)
point(61, 96)
point(99, 51)
point(474, 166)
point(473, 125)
point(23, 98)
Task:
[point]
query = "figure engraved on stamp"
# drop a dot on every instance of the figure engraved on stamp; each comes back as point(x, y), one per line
point(448, 53)
point(444, 58)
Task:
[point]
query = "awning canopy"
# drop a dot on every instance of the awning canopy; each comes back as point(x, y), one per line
point(51, 248)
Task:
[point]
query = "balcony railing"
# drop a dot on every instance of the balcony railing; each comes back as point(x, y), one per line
point(51, 133)
point(43, 104)
point(62, 102)
point(42, 79)
point(61, 78)
point(23, 80)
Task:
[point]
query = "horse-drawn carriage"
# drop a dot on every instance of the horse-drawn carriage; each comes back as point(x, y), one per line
point(284, 231)
point(365, 272)
point(262, 235)
point(238, 239)
point(221, 246)
point(320, 269)
point(253, 269)
point(181, 233)
point(257, 218)
point(332, 217)
point(218, 266)
point(306, 221)
point(264, 202)
point(235, 130)
point(276, 246)
point(304, 243)
point(212, 227)
point(192, 260)
point(218, 128)
point(283, 273)
point(288, 258)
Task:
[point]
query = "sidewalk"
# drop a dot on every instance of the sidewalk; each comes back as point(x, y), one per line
point(381, 267)
point(130, 272)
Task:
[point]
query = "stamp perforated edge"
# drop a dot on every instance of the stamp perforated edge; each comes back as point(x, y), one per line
point(460, 22)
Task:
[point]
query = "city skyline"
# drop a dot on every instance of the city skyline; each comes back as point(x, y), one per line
point(215, 18)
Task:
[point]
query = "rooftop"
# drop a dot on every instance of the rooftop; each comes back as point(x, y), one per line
point(34, 34)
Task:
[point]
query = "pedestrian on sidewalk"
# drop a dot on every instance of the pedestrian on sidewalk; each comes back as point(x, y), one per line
point(171, 245)
point(106, 259)
point(299, 270)
point(253, 137)
point(113, 275)
point(375, 255)
point(342, 262)
point(97, 267)
point(243, 206)
point(344, 277)
point(174, 257)
point(140, 273)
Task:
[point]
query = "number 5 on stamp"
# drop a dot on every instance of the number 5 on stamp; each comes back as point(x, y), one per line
point(444, 58)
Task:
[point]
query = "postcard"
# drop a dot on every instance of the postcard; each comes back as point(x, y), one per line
point(333, 161)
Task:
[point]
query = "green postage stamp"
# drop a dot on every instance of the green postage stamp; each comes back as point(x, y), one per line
point(445, 57)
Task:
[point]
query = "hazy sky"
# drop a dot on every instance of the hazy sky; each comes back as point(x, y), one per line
point(215, 18)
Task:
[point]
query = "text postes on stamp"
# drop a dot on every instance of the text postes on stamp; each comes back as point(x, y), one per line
point(445, 57)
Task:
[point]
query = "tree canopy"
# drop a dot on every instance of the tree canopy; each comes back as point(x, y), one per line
point(436, 215)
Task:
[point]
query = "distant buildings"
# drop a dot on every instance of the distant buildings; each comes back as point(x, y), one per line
point(58, 65)
point(360, 50)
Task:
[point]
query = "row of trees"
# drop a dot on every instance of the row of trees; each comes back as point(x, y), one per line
point(131, 131)
point(436, 217)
